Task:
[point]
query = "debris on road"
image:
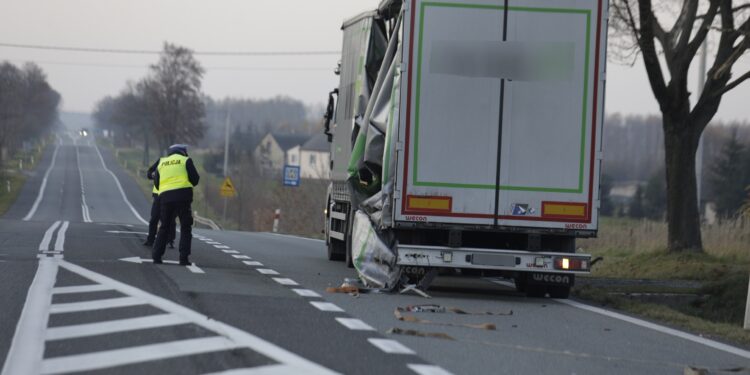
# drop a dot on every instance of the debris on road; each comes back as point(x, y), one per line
point(414, 319)
point(413, 332)
point(440, 309)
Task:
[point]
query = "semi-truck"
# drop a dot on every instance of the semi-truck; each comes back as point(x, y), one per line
point(466, 137)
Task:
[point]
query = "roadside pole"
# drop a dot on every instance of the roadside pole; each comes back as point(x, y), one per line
point(747, 308)
point(226, 163)
point(276, 217)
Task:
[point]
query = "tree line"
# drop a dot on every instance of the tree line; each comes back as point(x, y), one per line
point(166, 107)
point(28, 106)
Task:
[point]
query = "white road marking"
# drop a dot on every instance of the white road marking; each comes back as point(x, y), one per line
point(253, 263)
point(84, 207)
point(122, 192)
point(212, 242)
point(39, 196)
point(221, 246)
point(294, 237)
point(27, 348)
point(60, 242)
point(669, 331)
point(306, 293)
point(284, 281)
point(100, 304)
point(260, 370)
point(44, 245)
point(125, 232)
point(428, 369)
point(231, 251)
point(120, 357)
point(266, 271)
point(241, 257)
point(192, 268)
point(355, 324)
point(326, 306)
point(390, 346)
point(80, 289)
point(112, 326)
point(241, 338)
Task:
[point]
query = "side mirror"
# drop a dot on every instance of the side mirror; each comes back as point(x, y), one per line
point(330, 109)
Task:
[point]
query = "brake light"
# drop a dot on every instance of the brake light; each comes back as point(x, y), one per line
point(572, 264)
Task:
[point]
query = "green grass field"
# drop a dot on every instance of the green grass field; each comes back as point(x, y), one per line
point(12, 178)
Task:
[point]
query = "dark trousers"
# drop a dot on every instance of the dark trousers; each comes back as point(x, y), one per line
point(153, 222)
point(167, 214)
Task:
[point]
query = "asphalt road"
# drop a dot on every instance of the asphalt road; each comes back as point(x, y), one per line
point(80, 296)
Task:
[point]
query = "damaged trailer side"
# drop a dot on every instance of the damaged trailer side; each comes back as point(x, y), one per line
point(467, 136)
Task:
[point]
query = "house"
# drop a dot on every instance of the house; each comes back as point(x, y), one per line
point(311, 154)
point(315, 157)
point(276, 150)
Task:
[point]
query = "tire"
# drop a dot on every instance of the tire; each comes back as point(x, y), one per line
point(535, 291)
point(336, 250)
point(559, 291)
point(520, 282)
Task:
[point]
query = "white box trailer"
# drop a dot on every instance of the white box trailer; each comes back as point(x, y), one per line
point(490, 116)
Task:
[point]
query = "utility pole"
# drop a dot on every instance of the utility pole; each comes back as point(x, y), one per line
point(226, 161)
point(699, 153)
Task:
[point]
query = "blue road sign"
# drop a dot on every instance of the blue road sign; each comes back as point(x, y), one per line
point(291, 175)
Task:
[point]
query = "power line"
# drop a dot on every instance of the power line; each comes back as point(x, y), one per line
point(208, 68)
point(152, 52)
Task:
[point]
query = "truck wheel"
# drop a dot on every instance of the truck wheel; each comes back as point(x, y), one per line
point(535, 291)
point(336, 250)
point(520, 282)
point(559, 291)
point(349, 259)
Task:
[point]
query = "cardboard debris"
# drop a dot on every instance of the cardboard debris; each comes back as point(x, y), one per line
point(343, 289)
point(414, 319)
point(413, 332)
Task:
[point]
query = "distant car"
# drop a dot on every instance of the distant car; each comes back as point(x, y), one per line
point(84, 132)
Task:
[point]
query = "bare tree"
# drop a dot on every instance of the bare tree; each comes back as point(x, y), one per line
point(675, 48)
point(174, 89)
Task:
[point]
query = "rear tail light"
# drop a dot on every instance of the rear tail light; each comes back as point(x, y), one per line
point(571, 264)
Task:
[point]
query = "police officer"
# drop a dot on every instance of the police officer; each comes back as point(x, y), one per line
point(153, 222)
point(175, 178)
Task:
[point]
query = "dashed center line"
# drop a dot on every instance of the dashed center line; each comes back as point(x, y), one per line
point(390, 346)
point(284, 281)
point(241, 257)
point(326, 306)
point(306, 293)
point(427, 369)
point(221, 246)
point(231, 251)
point(267, 271)
point(355, 324)
point(253, 263)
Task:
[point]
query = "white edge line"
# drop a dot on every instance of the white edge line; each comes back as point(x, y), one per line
point(117, 181)
point(44, 245)
point(60, 241)
point(658, 328)
point(241, 337)
point(294, 237)
point(39, 196)
point(27, 348)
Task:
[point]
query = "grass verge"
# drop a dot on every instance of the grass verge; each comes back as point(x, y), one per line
point(12, 178)
point(635, 250)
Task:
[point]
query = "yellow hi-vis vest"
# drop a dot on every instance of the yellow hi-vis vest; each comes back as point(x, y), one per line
point(173, 173)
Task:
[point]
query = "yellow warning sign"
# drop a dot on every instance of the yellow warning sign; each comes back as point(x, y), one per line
point(227, 189)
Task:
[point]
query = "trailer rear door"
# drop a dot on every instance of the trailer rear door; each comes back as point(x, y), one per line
point(501, 112)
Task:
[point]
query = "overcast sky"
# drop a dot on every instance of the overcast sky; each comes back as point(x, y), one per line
point(228, 25)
